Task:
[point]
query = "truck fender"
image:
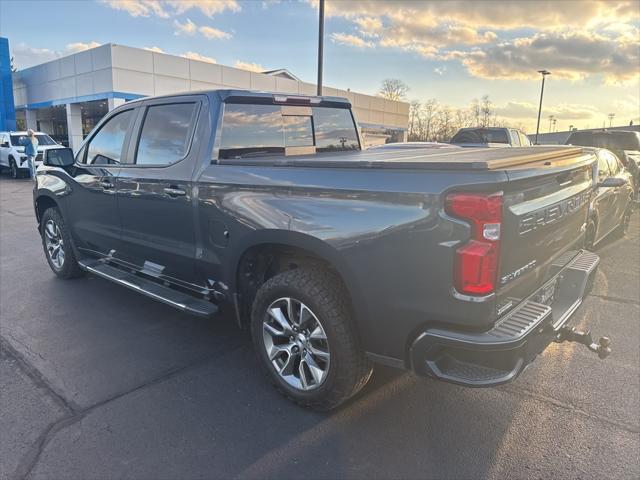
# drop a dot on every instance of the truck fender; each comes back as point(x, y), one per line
point(313, 245)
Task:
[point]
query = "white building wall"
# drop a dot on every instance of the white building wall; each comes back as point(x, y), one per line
point(113, 70)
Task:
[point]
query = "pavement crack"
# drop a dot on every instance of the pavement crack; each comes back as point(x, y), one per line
point(571, 408)
point(69, 406)
point(31, 458)
point(609, 298)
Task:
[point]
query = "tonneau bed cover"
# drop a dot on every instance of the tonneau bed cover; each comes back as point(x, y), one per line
point(463, 159)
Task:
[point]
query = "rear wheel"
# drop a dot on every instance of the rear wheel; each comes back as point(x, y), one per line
point(305, 340)
point(56, 241)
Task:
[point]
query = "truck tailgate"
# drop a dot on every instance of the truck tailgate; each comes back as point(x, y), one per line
point(544, 216)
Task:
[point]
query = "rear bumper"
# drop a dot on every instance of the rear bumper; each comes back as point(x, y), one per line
point(502, 353)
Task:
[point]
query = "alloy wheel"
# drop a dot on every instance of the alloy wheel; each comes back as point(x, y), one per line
point(296, 343)
point(54, 244)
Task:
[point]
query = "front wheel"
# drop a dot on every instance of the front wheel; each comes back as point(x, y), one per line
point(305, 339)
point(56, 241)
point(590, 235)
point(623, 228)
point(15, 172)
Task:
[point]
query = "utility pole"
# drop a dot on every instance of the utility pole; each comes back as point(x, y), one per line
point(611, 116)
point(550, 122)
point(320, 45)
point(544, 73)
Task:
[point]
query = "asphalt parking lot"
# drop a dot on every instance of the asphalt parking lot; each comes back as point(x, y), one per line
point(97, 382)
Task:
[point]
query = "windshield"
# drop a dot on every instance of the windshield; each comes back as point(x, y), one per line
point(481, 135)
point(610, 140)
point(19, 140)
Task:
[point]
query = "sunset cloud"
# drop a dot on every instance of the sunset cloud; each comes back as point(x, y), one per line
point(190, 28)
point(576, 39)
point(252, 67)
point(571, 56)
point(169, 8)
point(350, 40)
point(565, 111)
point(199, 57)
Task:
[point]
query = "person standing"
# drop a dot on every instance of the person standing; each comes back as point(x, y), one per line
point(31, 150)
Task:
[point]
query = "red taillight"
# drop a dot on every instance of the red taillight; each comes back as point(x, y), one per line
point(476, 263)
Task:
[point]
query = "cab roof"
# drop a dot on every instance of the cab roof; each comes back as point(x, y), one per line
point(258, 96)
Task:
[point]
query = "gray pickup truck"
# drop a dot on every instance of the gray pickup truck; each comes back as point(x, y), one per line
point(460, 265)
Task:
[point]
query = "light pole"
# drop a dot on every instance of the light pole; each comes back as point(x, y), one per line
point(544, 73)
point(550, 122)
point(611, 115)
point(320, 45)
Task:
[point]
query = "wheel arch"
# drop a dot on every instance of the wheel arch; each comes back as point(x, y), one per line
point(290, 250)
point(42, 203)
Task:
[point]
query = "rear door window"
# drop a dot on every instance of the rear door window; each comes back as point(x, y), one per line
point(166, 133)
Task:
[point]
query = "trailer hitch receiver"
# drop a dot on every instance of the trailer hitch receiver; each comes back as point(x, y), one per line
point(602, 347)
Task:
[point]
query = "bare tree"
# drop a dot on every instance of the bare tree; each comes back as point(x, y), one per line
point(429, 112)
point(475, 112)
point(486, 111)
point(393, 89)
point(415, 111)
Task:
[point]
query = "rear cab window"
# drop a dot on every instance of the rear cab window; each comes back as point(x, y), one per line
point(256, 130)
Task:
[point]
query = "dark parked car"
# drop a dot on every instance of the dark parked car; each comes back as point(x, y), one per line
point(624, 144)
point(461, 266)
point(490, 137)
point(612, 204)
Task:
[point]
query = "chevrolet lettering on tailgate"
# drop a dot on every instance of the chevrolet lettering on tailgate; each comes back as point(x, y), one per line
point(549, 215)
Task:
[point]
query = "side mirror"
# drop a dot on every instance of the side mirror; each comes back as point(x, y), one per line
point(612, 182)
point(58, 157)
point(5, 145)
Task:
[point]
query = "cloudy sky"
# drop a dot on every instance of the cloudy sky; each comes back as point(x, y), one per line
point(453, 51)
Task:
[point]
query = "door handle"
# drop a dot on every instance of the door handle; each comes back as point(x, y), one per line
point(106, 184)
point(175, 192)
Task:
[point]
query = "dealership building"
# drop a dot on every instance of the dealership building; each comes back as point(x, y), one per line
point(67, 97)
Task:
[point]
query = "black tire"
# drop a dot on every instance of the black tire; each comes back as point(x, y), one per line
point(69, 267)
point(590, 235)
point(13, 168)
point(323, 293)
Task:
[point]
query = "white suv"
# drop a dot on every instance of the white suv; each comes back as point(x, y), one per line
point(12, 154)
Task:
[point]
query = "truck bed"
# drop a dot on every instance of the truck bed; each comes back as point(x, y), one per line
point(464, 159)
